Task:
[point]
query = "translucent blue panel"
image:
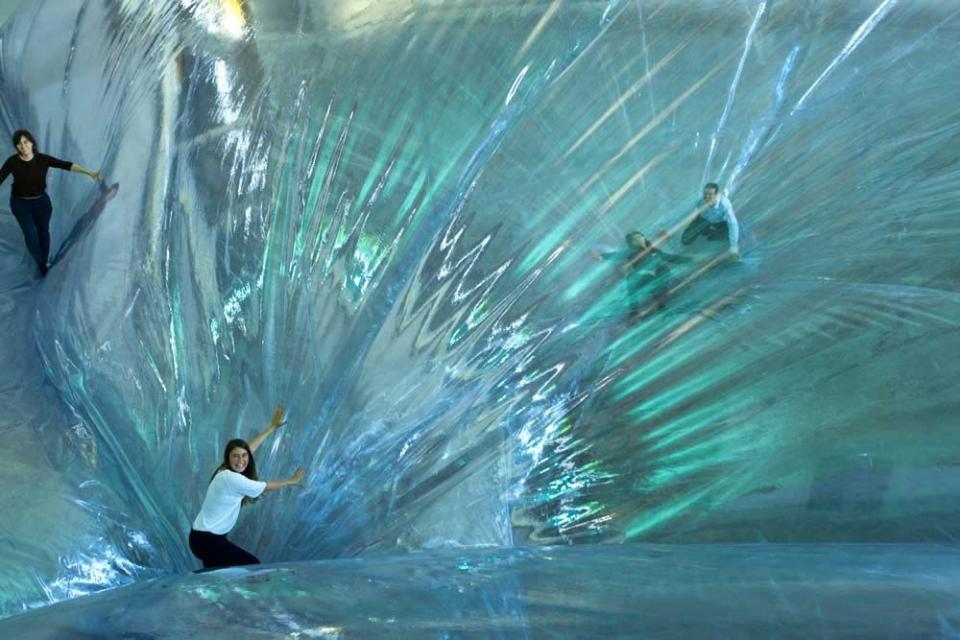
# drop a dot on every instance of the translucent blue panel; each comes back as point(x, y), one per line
point(384, 216)
point(596, 591)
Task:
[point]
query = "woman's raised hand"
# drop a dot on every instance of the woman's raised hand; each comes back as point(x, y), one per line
point(279, 417)
point(298, 475)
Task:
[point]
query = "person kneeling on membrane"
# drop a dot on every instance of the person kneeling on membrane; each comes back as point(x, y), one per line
point(233, 484)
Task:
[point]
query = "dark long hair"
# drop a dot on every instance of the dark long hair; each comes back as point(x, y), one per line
point(633, 234)
point(23, 133)
point(251, 470)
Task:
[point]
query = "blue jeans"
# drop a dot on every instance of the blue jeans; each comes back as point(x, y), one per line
point(33, 215)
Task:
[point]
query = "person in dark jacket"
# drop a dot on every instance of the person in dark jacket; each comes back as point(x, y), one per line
point(29, 201)
point(645, 270)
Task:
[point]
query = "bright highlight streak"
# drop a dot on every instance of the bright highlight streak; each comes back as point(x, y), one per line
point(654, 123)
point(234, 20)
point(858, 37)
point(538, 29)
point(631, 91)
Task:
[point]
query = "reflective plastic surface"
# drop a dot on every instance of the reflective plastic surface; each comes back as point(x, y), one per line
point(589, 591)
point(383, 215)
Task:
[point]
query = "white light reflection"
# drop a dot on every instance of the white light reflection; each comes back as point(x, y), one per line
point(225, 91)
point(219, 17)
point(855, 40)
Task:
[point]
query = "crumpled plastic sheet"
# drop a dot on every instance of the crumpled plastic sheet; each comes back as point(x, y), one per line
point(381, 215)
point(583, 591)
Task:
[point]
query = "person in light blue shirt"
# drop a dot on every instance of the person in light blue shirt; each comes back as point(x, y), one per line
point(714, 219)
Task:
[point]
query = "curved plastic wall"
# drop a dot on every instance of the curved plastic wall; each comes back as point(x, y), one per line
point(382, 216)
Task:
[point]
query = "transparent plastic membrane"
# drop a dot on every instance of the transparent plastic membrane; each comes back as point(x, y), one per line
point(382, 216)
point(587, 591)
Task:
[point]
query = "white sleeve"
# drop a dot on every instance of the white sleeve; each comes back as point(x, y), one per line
point(733, 227)
point(240, 484)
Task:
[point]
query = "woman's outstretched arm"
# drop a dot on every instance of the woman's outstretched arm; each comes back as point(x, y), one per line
point(278, 420)
point(93, 174)
point(280, 484)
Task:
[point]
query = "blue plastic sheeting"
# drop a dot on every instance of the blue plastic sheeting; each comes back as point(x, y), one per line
point(596, 591)
point(382, 216)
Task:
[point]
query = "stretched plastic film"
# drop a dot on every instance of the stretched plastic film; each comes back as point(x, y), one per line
point(385, 217)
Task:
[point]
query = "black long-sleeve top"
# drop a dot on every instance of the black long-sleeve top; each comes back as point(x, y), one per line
point(652, 262)
point(30, 178)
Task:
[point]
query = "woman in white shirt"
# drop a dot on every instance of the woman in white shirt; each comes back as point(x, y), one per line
point(233, 484)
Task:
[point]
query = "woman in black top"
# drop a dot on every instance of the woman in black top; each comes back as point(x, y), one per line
point(645, 269)
point(29, 201)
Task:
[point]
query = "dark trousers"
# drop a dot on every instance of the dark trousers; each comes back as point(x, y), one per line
point(216, 551)
point(644, 287)
point(700, 227)
point(33, 216)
